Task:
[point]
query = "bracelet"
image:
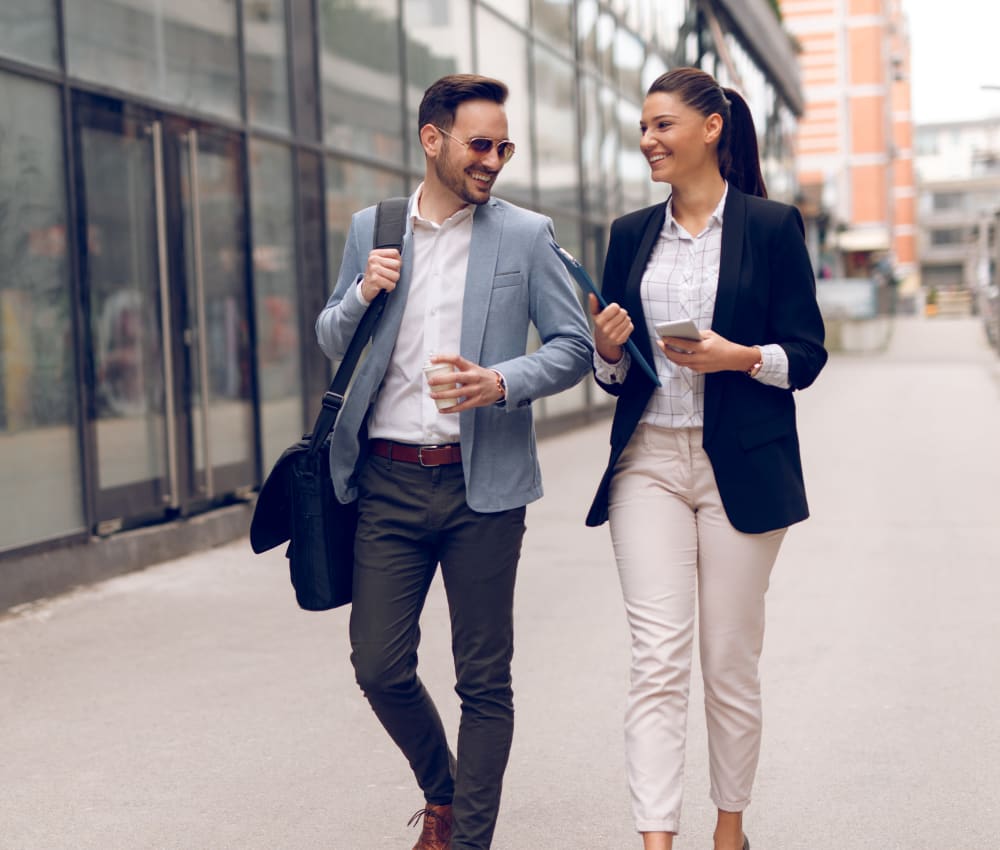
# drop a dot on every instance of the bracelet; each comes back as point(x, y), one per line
point(753, 370)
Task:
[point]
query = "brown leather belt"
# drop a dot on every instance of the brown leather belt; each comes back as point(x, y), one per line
point(424, 455)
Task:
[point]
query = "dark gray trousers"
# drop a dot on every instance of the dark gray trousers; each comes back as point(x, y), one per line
point(411, 519)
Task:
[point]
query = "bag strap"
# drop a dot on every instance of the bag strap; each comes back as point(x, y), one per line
point(390, 225)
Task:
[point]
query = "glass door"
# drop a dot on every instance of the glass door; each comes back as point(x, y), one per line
point(163, 232)
point(218, 404)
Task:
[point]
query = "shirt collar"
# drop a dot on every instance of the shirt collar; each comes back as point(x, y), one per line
point(416, 218)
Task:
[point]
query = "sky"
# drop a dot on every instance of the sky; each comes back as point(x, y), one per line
point(954, 51)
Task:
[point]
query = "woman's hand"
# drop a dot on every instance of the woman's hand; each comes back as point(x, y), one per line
point(713, 353)
point(612, 327)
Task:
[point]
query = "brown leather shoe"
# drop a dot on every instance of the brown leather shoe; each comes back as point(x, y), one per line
point(436, 834)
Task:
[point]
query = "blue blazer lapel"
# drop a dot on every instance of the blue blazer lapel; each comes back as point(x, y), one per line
point(484, 251)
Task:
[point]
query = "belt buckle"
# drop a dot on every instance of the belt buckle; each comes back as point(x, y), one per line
point(420, 456)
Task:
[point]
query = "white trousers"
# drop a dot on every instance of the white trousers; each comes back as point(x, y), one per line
point(676, 550)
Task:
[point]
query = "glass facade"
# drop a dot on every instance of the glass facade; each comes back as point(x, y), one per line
point(176, 184)
point(39, 445)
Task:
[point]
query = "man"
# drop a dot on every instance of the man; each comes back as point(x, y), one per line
point(449, 486)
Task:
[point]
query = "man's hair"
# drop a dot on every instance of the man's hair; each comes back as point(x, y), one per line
point(444, 97)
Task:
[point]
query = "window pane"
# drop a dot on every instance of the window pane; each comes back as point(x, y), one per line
point(632, 164)
point(279, 360)
point(555, 117)
point(349, 188)
point(610, 147)
point(592, 138)
point(553, 19)
point(40, 485)
point(586, 28)
point(515, 10)
point(183, 52)
point(360, 69)
point(503, 53)
point(438, 42)
point(629, 58)
point(28, 31)
point(267, 64)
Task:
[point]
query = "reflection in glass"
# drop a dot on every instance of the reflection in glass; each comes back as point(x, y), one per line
point(183, 51)
point(654, 67)
point(438, 42)
point(515, 10)
point(632, 165)
point(610, 146)
point(557, 137)
point(217, 315)
point(39, 485)
point(124, 302)
point(276, 299)
point(670, 17)
point(629, 56)
point(359, 40)
point(349, 188)
point(267, 64)
point(503, 53)
point(553, 18)
point(604, 43)
point(592, 138)
point(28, 31)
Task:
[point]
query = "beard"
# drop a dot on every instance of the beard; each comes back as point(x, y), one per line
point(453, 176)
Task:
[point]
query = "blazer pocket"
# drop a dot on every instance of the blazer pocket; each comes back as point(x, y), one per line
point(754, 436)
point(506, 279)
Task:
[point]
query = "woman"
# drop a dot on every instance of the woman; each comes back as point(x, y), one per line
point(704, 475)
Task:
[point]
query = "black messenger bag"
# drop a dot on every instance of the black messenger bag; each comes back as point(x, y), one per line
point(296, 502)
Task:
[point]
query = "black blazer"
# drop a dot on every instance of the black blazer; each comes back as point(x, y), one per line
point(767, 294)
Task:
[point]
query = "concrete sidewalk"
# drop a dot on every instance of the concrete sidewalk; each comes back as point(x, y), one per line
point(194, 706)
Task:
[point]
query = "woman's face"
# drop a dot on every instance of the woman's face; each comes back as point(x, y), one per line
point(678, 142)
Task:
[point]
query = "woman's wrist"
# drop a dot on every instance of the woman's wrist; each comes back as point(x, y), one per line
point(611, 357)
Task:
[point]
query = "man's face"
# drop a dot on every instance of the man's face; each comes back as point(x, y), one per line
point(468, 175)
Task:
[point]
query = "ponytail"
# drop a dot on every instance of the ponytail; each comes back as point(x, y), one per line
point(739, 157)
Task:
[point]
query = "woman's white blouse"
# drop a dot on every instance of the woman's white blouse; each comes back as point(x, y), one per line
point(680, 282)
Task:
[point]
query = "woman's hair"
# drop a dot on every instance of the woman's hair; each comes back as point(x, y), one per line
point(444, 97)
point(739, 159)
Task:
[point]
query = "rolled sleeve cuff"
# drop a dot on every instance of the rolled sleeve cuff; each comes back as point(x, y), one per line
point(611, 373)
point(774, 372)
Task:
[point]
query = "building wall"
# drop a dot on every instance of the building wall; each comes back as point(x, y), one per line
point(958, 168)
point(854, 138)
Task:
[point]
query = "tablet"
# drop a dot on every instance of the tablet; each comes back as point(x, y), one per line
point(684, 329)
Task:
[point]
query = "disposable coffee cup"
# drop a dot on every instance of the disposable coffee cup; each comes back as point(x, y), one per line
point(439, 369)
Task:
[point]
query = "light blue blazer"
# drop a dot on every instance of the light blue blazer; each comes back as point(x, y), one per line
point(514, 278)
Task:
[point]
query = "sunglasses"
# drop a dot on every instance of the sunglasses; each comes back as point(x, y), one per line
point(482, 146)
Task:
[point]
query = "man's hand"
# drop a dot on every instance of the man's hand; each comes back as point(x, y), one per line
point(477, 386)
point(381, 272)
point(612, 327)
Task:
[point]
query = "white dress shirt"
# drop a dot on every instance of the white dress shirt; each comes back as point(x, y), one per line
point(680, 282)
point(432, 324)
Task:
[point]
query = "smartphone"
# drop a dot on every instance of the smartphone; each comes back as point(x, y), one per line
point(685, 329)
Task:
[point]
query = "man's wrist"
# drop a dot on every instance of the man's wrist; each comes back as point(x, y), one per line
point(501, 387)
